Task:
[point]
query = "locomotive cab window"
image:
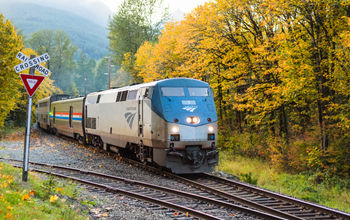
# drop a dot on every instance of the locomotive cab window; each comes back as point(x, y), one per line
point(132, 95)
point(124, 95)
point(119, 96)
point(98, 99)
point(173, 91)
point(198, 91)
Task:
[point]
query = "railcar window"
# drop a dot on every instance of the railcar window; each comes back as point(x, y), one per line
point(198, 91)
point(132, 95)
point(43, 104)
point(119, 97)
point(124, 95)
point(173, 91)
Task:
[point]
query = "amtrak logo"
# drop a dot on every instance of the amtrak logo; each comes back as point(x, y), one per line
point(130, 118)
point(190, 108)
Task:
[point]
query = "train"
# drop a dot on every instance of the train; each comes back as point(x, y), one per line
point(171, 123)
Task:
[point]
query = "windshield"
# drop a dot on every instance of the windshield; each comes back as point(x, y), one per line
point(173, 91)
point(198, 91)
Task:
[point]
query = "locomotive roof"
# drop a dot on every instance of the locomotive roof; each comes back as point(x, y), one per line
point(164, 82)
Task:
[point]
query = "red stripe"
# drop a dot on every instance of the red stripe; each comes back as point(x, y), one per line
point(67, 113)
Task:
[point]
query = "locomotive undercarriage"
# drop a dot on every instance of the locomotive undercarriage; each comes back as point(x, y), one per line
point(142, 152)
point(193, 159)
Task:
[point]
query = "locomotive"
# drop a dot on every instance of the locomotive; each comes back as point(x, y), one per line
point(171, 122)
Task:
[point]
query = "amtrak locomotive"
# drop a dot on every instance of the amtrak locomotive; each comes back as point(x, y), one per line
point(170, 122)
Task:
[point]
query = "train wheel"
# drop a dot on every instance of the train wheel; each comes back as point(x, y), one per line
point(97, 142)
point(80, 139)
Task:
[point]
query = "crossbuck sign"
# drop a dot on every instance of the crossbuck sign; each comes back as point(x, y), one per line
point(28, 63)
point(31, 82)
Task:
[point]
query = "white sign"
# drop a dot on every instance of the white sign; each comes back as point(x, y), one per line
point(28, 63)
point(39, 68)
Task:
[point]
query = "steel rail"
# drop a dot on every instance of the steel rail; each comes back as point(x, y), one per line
point(303, 204)
point(330, 211)
point(174, 206)
point(220, 193)
point(152, 186)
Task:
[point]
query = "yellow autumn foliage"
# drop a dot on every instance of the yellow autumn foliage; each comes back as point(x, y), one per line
point(277, 68)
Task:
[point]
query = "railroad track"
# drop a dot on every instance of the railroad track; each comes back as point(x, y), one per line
point(255, 197)
point(189, 204)
point(252, 196)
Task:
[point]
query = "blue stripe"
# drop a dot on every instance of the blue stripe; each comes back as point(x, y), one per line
point(67, 118)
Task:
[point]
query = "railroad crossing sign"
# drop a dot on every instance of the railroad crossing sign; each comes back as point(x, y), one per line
point(34, 62)
point(31, 82)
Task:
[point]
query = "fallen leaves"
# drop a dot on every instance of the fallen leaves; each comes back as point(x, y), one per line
point(32, 193)
point(26, 197)
point(53, 198)
point(9, 215)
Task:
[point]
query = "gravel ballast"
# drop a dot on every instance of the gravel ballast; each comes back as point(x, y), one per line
point(47, 148)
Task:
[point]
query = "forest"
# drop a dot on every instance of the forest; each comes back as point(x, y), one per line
point(279, 71)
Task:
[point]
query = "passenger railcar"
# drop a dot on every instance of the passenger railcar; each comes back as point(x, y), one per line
point(43, 108)
point(171, 122)
point(66, 117)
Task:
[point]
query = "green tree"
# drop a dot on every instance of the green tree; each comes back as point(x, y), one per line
point(84, 74)
point(61, 51)
point(136, 21)
point(101, 78)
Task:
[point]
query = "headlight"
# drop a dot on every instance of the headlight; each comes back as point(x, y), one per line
point(211, 129)
point(195, 120)
point(175, 129)
point(192, 120)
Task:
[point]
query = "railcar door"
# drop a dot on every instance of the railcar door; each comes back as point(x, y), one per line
point(140, 112)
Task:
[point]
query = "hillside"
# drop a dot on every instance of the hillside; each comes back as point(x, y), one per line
point(28, 17)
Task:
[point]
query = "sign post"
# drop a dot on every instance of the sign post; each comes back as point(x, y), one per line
point(31, 83)
point(27, 139)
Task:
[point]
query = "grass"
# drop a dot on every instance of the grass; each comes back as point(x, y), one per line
point(10, 130)
point(37, 198)
point(302, 186)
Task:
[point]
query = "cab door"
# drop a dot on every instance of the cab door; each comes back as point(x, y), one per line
point(140, 111)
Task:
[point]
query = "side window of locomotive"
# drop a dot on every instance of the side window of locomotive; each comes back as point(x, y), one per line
point(173, 91)
point(91, 100)
point(119, 96)
point(98, 99)
point(124, 95)
point(132, 95)
point(198, 91)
